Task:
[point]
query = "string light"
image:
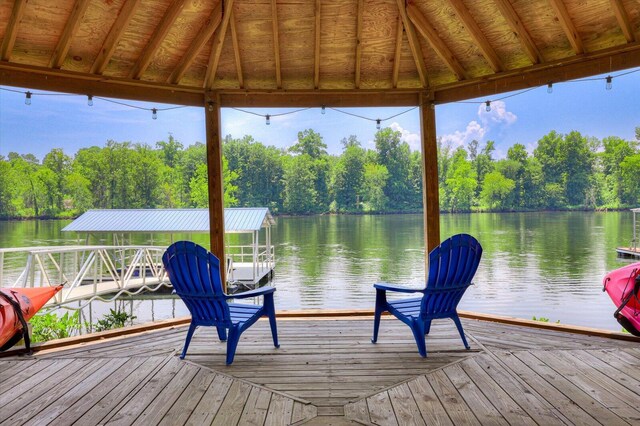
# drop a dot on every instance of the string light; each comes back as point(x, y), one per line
point(210, 104)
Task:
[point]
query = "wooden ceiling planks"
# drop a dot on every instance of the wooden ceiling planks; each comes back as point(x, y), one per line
point(319, 45)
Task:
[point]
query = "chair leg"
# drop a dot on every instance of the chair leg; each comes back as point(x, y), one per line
point(418, 335)
point(222, 333)
point(460, 330)
point(381, 303)
point(192, 329)
point(271, 313)
point(232, 343)
point(427, 326)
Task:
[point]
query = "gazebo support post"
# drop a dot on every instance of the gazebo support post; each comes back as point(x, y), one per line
point(430, 191)
point(214, 174)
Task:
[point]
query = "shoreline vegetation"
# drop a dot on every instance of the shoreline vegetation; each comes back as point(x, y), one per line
point(564, 172)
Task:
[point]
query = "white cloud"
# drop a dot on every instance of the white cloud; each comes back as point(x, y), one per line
point(473, 131)
point(497, 115)
point(498, 118)
point(413, 139)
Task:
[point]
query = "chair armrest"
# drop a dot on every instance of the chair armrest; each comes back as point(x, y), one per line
point(391, 287)
point(252, 293)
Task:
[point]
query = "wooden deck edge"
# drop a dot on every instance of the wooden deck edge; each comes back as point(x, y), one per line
point(314, 314)
point(576, 329)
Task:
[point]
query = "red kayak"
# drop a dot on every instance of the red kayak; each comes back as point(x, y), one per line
point(17, 306)
point(623, 286)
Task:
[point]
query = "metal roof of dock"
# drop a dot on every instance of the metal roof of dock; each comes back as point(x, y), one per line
point(169, 220)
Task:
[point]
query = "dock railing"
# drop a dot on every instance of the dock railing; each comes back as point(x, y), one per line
point(262, 257)
point(87, 272)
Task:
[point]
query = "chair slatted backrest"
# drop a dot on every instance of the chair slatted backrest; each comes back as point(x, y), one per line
point(195, 275)
point(452, 266)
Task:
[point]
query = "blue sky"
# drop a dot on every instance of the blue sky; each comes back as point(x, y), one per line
point(66, 121)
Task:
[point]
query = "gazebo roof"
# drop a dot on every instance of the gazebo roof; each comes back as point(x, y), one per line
point(178, 51)
point(168, 220)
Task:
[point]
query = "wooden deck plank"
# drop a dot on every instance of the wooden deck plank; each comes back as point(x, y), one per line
point(380, 409)
point(68, 394)
point(210, 403)
point(158, 408)
point(609, 371)
point(13, 374)
point(404, 406)
point(536, 407)
point(180, 411)
point(25, 392)
point(280, 411)
point(607, 392)
point(257, 406)
point(428, 403)
point(73, 412)
point(137, 377)
point(568, 396)
point(457, 409)
point(233, 404)
point(609, 358)
point(506, 406)
point(302, 412)
point(358, 411)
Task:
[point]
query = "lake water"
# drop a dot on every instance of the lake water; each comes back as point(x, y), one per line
point(547, 264)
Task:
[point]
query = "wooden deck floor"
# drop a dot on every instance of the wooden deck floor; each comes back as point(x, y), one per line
point(327, 372)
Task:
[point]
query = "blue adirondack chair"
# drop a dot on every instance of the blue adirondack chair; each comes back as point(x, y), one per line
point(195, 275)
point(452, 266)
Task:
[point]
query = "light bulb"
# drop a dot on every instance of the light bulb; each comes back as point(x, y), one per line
point(609, 83)
point(154, 113)
point(488, 108)
point(323, 110)
point(27, 99)
point(378, 124)
point(89, 100)
point(550, 87)
point(210, 105)
point(268, 117)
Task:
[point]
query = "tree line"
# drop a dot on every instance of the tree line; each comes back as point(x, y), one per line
point(565, 171)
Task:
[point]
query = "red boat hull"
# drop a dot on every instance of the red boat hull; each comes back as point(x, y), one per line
point(30, 301)
point(622, 286)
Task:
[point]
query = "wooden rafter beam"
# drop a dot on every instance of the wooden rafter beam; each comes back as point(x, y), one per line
point(56, 80)
point(316, 52)
point(276, 42)
point(236, 50)
point(216, 47)
point(414, 44)
point(398, 53)
point(567, 25)
point(203, 36)
point(518, 28)
point(117, 29)
point(477, 35)
point(12, 29)
point(62, 47)
point(428, 32)
point(589, 64)
point(359, 41)
point(623, 20)
point(156, 39)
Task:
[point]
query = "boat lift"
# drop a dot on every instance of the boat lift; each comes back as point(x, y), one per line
point(634, 248)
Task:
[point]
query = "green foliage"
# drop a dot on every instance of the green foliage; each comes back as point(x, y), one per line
point(114, 319)
point(566, 171)
point(543, 319)
point(50, 326)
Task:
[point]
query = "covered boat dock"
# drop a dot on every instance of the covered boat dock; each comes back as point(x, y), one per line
point(246, 263)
